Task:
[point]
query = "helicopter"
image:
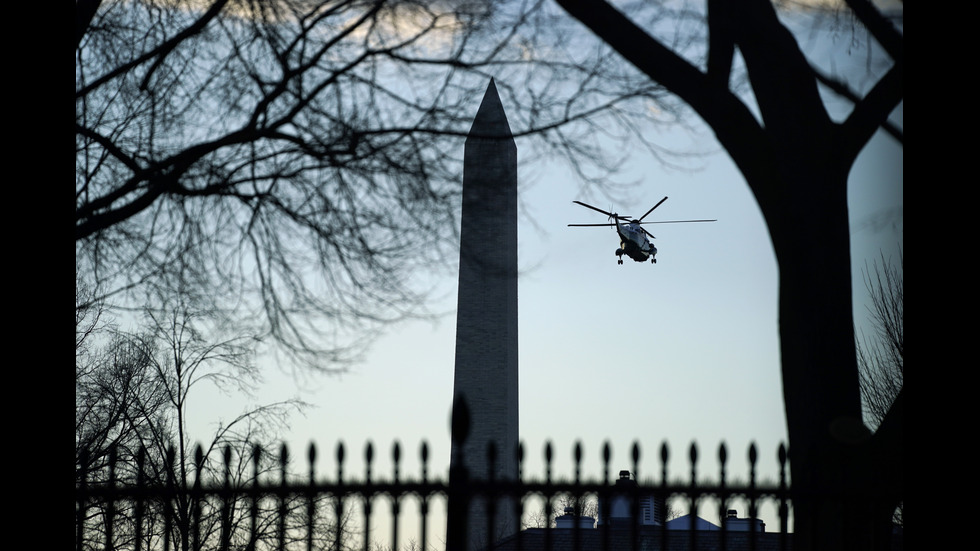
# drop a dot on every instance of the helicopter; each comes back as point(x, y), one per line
point(633, 238)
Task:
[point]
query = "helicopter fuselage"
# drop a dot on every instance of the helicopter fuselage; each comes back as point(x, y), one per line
point(633, 243)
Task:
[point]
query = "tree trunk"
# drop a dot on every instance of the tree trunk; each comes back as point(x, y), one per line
point(819, 367)
point(797, 164)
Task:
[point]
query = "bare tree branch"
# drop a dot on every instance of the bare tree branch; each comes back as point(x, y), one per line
point(296, 165)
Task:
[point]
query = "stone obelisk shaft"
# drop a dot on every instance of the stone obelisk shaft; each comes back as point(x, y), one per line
point(486, 374)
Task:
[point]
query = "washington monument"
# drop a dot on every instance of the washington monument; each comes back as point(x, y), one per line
point(486, 374)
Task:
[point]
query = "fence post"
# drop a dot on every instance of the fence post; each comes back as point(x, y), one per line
point(457, 529)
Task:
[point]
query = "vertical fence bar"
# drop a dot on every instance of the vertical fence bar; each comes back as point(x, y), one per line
point(141, 496)
point(110, 509)
point(311, 498)
point(519, 502)
point(339, 496)
point(197, 496)
point(81, 500)
point(396, 454)
point(605, 498)
point(424, 504)
point(548, 495)
point(723, 496)
point(577, 494)
point(635, 499)
point(664, 455)
point(458, 498)
point(491, 497)
point(282, 494)
point(366, 495)
point(226, 500)
point(169, 498)
point(693, 456)
point(783, 492)
point(254, 497)
point(753, 488)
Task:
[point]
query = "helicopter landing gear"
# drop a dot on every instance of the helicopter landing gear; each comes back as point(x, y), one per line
point(620, 261)
point(619, 253)
point(653, 260)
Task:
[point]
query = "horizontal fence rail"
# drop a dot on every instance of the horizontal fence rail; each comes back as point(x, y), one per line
point(254, 503)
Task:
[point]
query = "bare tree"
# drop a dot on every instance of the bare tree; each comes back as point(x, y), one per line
point(881, 358)
point(119, 405)
point(585, 505)
point(132, 395)
point(411, 545)
point(296, 165)
point(795, 158)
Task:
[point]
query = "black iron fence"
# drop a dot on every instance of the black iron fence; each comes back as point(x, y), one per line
point(255, 503)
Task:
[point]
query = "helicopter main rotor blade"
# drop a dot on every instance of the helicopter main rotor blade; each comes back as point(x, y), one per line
point(581, 225)
point(675, 221)
point(609, 214)
point(651, 209)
